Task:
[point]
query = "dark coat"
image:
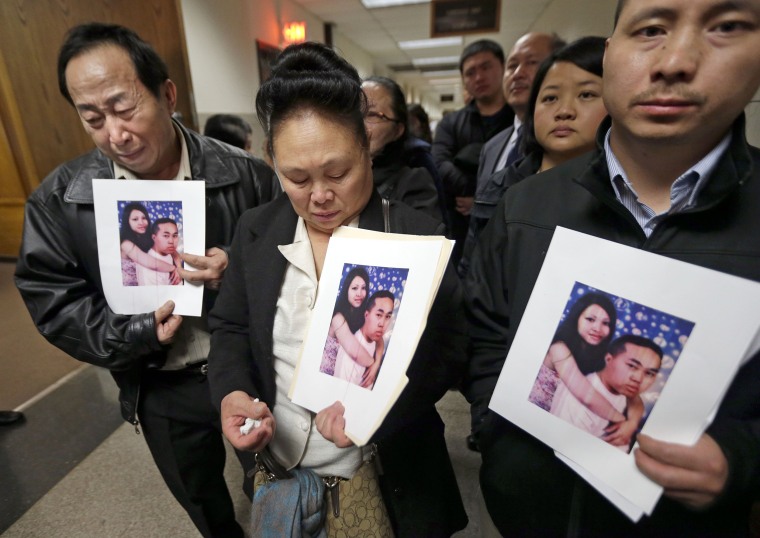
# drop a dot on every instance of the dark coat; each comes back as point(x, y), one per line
point(58, 273)
point(418, 483)
point(527, 489)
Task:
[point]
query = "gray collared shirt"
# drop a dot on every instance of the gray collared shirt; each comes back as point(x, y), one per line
point(683, 192)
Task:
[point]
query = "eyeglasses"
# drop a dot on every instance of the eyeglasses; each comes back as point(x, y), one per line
point(378, 117)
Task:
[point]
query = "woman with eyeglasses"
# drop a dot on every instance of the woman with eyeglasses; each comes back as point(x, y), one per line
point(387, 127)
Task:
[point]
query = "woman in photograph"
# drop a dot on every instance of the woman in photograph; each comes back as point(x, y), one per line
point(136, 241)
point(348, 318)
point(312, 110)
point(578, 348)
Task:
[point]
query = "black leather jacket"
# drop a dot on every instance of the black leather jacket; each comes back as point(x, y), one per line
point(58, 273)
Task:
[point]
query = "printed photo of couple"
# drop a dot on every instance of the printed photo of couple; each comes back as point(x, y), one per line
point(150, 236)
point(362, 323)
point(608, 363)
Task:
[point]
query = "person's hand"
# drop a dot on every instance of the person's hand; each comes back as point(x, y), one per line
point(210, 267)
point(174, 278)
point(620, 433)
point(238, 406)
point(693, 475)
point(167, 324)
point(331, 424)
point(463, 204)
point(370, 374)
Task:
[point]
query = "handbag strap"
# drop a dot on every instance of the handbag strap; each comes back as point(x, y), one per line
point(386, 215)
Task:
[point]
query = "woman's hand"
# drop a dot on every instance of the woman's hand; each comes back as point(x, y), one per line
point(331, 424)
point(238, 406)
point(620, 433)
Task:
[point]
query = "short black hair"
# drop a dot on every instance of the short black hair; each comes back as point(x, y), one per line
point(617, 346)
point(382, 294)
point(228, 128)
point(311, 75)
point(398, 100)
point(150, 68)
point(154, 228)
point(481, 45)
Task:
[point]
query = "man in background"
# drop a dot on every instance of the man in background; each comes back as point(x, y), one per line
point(231, 129)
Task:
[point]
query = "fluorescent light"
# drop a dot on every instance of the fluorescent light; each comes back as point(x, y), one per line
point(444, 73)
point(371, 4)
point(416, 62)
point(445, 81)
point(431, 43)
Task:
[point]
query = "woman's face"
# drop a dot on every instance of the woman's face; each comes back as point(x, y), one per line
point(138, 221)
point(569, 109)
point(323, 169)
point(594, 325)
point(381, 129)
point(357, 292)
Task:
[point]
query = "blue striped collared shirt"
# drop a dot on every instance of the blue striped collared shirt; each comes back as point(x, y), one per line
point(683, 192)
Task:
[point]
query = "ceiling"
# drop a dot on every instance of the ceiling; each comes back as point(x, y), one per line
point(379, 30)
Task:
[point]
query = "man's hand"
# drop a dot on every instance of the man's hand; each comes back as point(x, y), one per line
point(693, 475)
point(463, 204)
point(236, 407)
point(210, 267)
point(167, 324)
point(331, 424)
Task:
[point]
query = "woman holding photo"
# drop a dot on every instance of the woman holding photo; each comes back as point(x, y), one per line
point(136, 241)
point(348, 317)
point(578, 348)
point(312, 110)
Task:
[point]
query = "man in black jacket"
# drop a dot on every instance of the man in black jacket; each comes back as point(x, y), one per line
point(125, 100)
point(672, 174)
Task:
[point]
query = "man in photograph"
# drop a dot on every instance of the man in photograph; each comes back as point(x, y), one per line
point(630, 367)
point(377, 317)
point(672, 174)
point(165, 237)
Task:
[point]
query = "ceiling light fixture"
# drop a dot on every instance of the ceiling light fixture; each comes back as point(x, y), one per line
point(371, 4)
point(431, 43)
point(438, 60)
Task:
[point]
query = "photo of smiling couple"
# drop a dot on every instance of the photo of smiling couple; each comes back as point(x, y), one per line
point(607, 364)
point(362, 322)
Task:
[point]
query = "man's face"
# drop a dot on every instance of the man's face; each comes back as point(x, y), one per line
point(377, 318)
point(630, 372)
point(125, 121)
point(482, 74)
point(166, 238)
point(520, 69)
point(680, 71)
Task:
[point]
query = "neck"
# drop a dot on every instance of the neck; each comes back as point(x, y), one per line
point(488, 106)
point(169, 162)
point(653, 165)
point(319, 240)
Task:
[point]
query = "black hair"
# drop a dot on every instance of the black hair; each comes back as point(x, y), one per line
point(481, 45)
point(416, 111)
point(150, 68)
point(588, 358)
point(312, 76)
point(154, 228)
point(398, 101)
point(354, 315)
point(381, 294)
point(586, 53)
point(617, 346)
point(126, 233)
point(228, 128)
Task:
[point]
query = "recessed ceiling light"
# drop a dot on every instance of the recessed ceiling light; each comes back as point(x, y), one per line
point(431, 43)
point(438, 60)
point(371, 4)
point(445, 73)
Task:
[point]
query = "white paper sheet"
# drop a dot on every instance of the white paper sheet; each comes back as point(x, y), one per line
point(726, 320)
point(183, 202)
point(423, 257)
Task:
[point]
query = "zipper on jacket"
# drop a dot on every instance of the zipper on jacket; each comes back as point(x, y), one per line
point(135, 422)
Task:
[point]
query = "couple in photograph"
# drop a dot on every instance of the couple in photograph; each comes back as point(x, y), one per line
point(149, 255)
point(355, 345)
point(592, 381)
